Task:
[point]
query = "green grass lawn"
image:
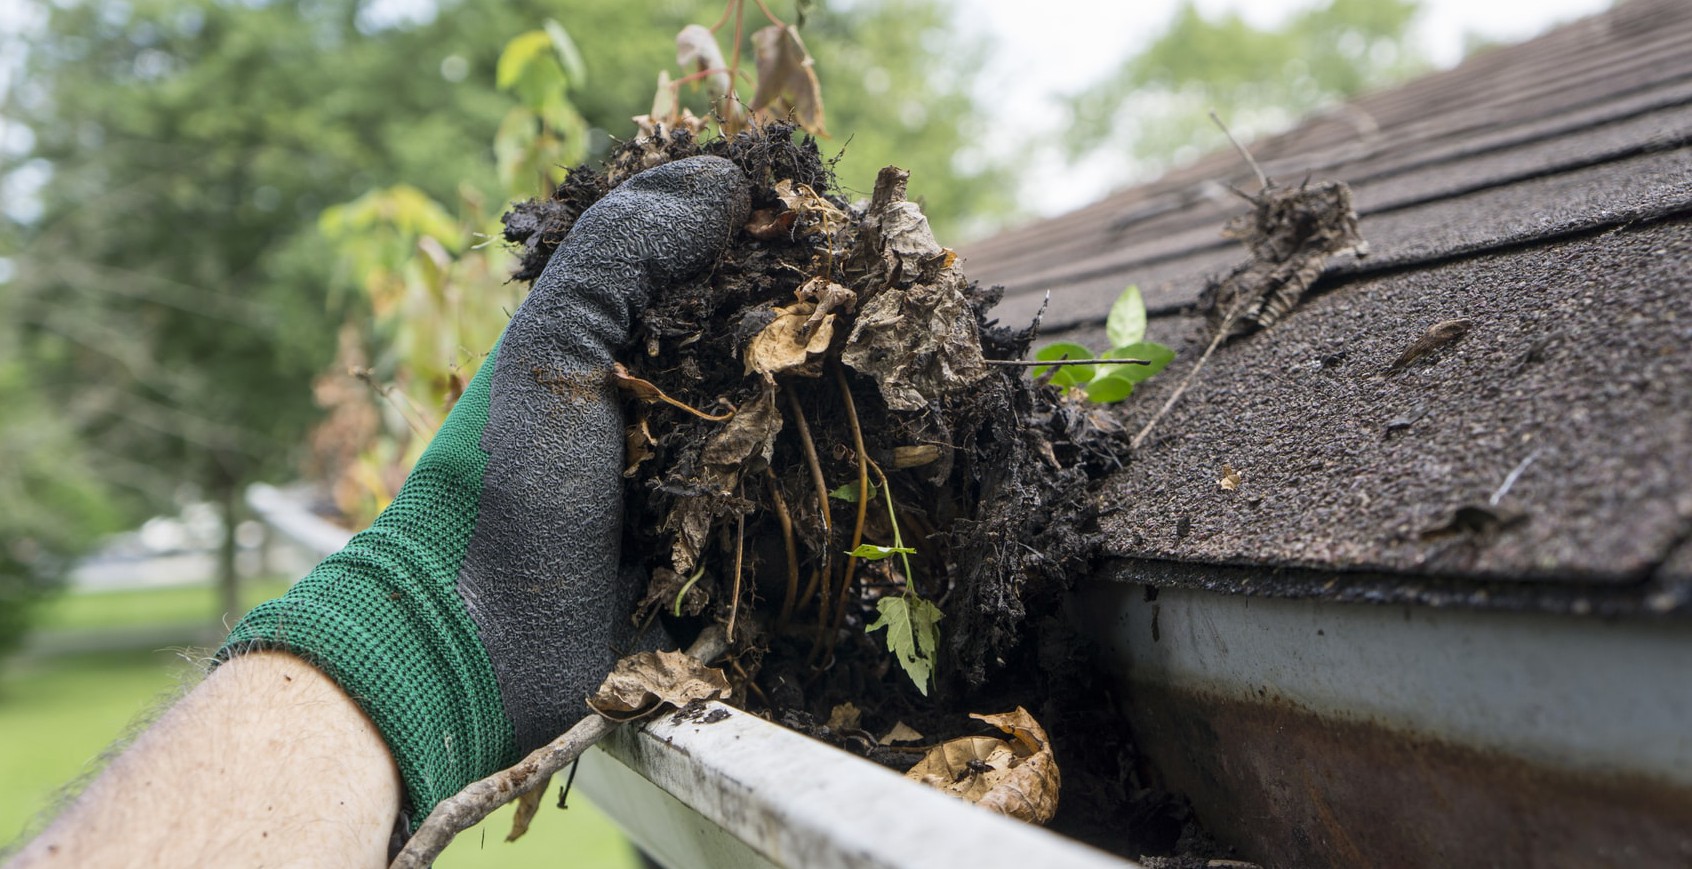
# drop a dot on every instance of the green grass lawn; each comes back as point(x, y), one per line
point(146, 607)
point(59, 712)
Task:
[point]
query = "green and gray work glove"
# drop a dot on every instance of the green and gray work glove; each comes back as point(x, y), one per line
point(479, 610)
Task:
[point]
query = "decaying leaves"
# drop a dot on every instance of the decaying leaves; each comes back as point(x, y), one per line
point(792, 343)
point(916, 339)
point(745, 442)
point(1291, 233)
point(696, 49)
point(813, 212)
point(1017, 777)
point(787, 84)
point(643, 681)
point(1437, 336)
point(663, 590)
point(638, 445)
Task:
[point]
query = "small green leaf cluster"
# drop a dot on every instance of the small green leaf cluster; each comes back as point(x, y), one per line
point(912, 622)
point(913, 634)
point(544, 131)
point(1103, 382)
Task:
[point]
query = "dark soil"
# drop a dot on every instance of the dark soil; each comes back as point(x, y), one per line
point(991, 475)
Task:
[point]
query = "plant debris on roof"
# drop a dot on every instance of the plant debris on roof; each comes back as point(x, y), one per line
point(1491, 408)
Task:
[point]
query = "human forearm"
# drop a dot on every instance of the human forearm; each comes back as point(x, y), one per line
point(265, 762)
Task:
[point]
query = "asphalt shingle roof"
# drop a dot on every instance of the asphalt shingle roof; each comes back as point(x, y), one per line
point(1542, 191)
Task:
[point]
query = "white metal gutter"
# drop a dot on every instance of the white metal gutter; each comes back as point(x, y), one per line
point(743, 792)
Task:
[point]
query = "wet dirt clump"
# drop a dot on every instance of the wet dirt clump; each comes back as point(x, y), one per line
point(832, 385)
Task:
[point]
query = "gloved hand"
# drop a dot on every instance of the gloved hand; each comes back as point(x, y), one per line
point(474, 616)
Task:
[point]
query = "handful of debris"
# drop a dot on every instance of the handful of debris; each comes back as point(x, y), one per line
point(819, 439)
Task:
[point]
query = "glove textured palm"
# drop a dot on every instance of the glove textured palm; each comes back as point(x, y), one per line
point(480, 608)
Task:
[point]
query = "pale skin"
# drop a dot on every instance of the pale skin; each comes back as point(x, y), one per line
point(265, 763)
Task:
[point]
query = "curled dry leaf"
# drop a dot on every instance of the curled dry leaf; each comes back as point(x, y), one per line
point(751, 433)
point(1230, 479)
point(915, 338)
point(820, 215)
point(786, 82)
point(767, 224)
point(638, 445)
point(1017, 777)
point(527, 804)
point(829, 297)
point(643, 681)
point(785, 346)
point(696, 49)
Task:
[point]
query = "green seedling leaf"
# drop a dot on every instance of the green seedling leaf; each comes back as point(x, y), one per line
point(872, 552)
point(568, 56)
point(1065, 375)
point(519, 53)
point(1158, 355)
point(849, 492)
point(1110, 388)
point(1127, 321)
point(913, 635)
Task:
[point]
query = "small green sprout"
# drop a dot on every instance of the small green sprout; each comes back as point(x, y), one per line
point(1105, 383)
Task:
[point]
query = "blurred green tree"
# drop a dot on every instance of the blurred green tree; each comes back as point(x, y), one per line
point(168, 295)
point(1258, 80)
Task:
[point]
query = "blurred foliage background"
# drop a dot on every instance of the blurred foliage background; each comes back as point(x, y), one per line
point(245, 241)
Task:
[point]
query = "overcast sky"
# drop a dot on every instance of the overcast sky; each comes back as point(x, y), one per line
point(1066, 44)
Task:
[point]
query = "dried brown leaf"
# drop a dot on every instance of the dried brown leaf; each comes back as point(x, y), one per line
point(829, 297)
point(786, 81)
point(901, 732)
point(527, 804)
point(844, 717)
point(1230, 479)
point(750, 433)
point(916, 338)
point(767, 224)
point(643, 681)
point(1017, 777)
point(638, 445)
point(785, 346)
point(820, 214)
point(697, 49)
point(1438, 335)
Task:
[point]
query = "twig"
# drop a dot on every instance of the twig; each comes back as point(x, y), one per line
point(1034, 363)
point(863, 493)
point(408, 410)
point(1180, 390)
point(810, 447)
point(1262, 178)
point(646, 389)
point(477, 800)
point(739, 551)
point(1510, 479)
point(770, 15)
point(785, 520)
